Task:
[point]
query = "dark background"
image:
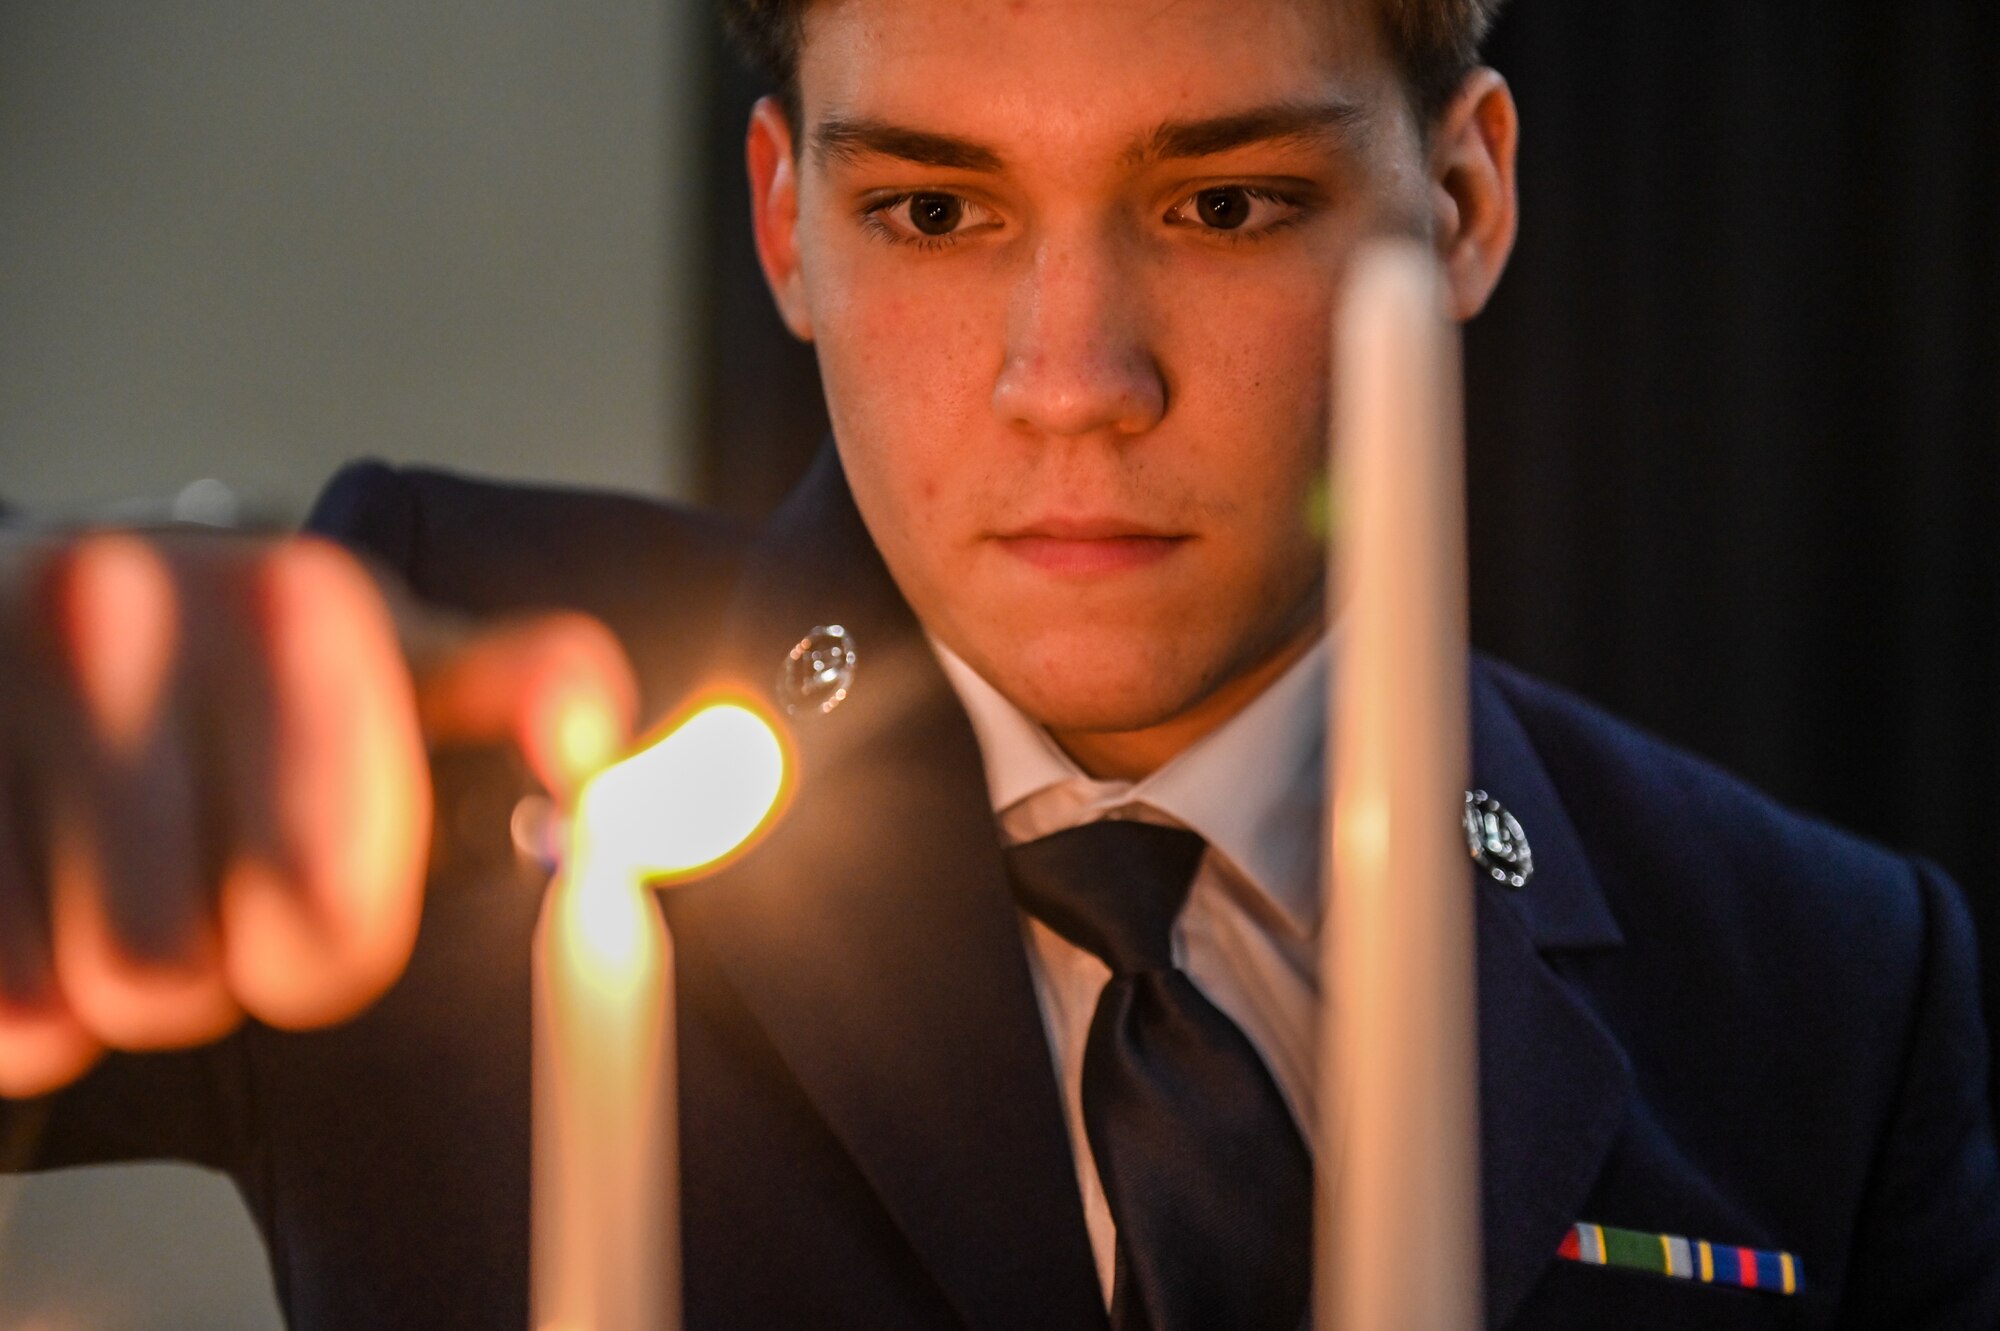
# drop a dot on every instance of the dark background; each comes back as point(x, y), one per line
point(1733, 414)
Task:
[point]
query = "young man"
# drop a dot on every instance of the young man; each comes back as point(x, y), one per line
point(1069, 269)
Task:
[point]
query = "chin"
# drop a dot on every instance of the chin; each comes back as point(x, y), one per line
point(1092, 716)
point(1102, 690)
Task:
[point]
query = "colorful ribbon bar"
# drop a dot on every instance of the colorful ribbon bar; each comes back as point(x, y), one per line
point(1685, 1259)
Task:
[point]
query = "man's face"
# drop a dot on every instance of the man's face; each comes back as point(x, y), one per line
point(1070, 266)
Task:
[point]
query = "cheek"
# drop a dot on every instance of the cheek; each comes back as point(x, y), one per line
point(897, 393)
point(1255, 380)
point(1251, 328)
point(904, 346)
point(907, 371)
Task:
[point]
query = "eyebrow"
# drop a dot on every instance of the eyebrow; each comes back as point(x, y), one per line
point(1306, 121)
point(846, 139)
point(843, 140)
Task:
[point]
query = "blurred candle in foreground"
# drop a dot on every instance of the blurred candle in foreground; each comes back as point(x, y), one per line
point(1398, 1218)
point(606, 1224)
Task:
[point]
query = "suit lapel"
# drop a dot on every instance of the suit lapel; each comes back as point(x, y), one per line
point(874, 938)
point(1555, 1088)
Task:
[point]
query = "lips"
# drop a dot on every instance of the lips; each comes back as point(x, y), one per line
point(1087, 546)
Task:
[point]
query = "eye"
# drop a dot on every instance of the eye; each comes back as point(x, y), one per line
point(936, 214)
point(927, 219)
point(1243, 211)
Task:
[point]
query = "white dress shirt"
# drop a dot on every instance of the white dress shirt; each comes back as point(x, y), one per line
point(1254, 789)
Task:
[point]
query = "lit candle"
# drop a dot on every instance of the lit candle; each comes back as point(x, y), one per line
point(606, 1225)
point(1398, 1208)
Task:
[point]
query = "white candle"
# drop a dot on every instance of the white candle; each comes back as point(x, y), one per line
point(1398, 1218)
point(606, 1223)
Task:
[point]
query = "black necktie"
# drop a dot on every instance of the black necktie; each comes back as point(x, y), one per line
point(1208, 1181)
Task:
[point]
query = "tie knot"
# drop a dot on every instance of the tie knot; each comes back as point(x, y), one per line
point(1112, 887)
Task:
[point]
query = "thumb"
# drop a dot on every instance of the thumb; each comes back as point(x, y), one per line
point(556, 685)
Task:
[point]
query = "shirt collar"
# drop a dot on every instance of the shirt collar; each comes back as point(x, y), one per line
point(1253, 788)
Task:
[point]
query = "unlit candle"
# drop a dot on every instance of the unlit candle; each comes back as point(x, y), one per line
point(1398, 1211)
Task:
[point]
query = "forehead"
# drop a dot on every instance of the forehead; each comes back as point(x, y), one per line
point(1080, 77)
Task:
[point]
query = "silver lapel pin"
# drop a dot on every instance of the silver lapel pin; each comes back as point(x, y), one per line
point(1497, 842)
point(819, 671)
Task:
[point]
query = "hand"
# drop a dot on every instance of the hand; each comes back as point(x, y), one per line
point(214, 792)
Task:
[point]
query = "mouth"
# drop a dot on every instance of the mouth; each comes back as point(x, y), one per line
point(1082, 547)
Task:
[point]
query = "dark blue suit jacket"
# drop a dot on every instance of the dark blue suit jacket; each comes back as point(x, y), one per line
point(1704, 1016)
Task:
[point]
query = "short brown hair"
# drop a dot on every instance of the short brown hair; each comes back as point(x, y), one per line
point(1436, 42)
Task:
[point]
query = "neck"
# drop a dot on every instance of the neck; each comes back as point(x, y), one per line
point(1129, 755)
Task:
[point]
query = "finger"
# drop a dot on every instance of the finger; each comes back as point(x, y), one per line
point(353, 801)
point(235, 708)
point(42, 1045)
point(137, 954)
point(557, 685)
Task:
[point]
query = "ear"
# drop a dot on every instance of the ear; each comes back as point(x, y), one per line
point(774, 211)
point(1474, 207)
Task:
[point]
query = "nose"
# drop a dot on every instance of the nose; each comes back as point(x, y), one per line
point(1078, 361)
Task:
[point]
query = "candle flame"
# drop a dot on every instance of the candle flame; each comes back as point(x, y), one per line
point(606, 1233)
point(606, 926)
point(681, 805)
point(683, 802)
point(587, 738)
